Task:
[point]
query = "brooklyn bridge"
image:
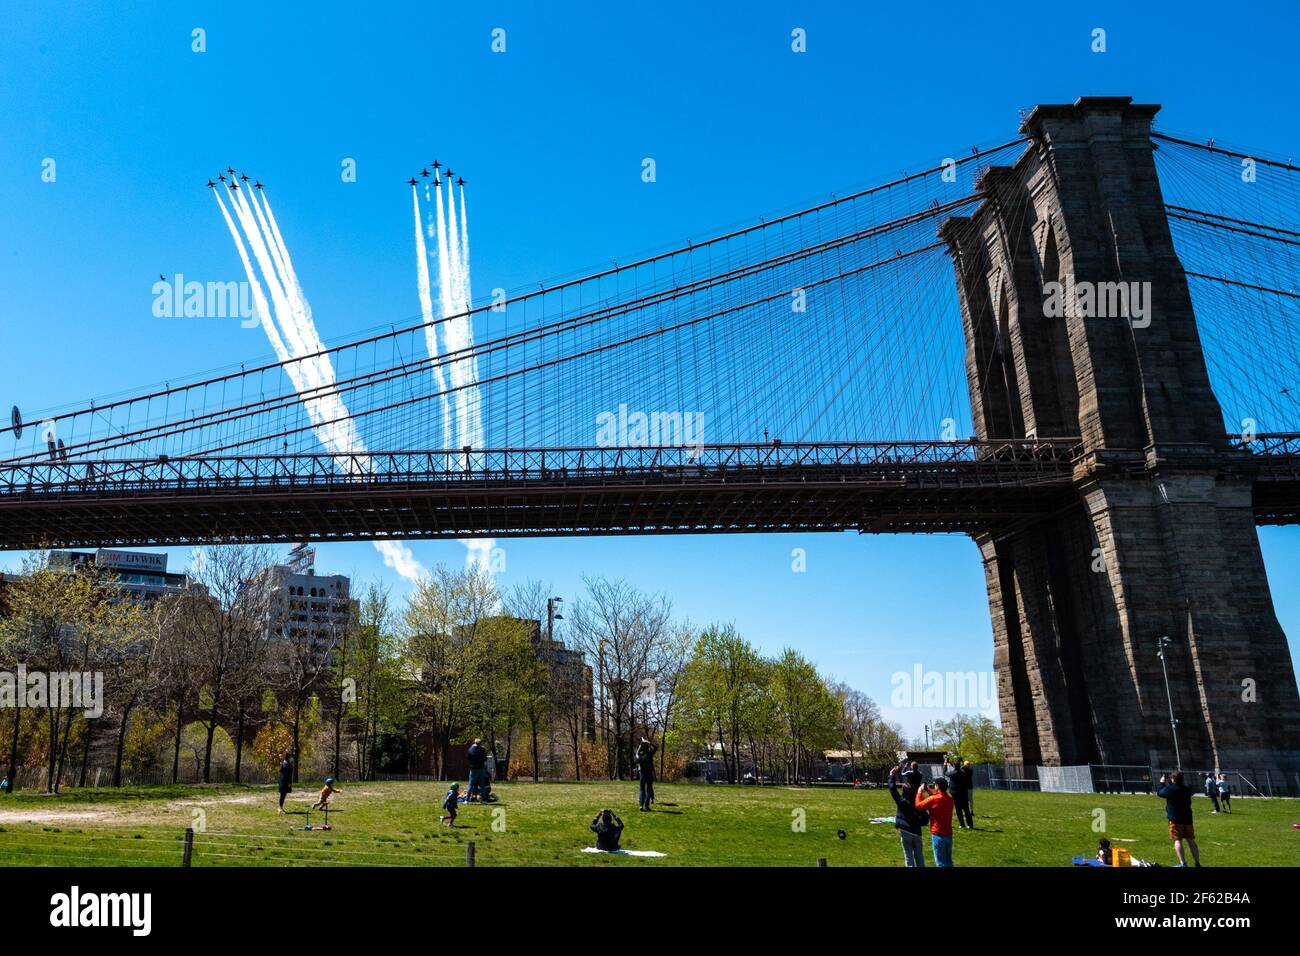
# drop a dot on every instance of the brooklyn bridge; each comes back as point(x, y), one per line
point(1080, 347)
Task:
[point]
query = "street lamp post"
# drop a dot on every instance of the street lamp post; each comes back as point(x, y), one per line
point(1165, 643)
point(552, 616)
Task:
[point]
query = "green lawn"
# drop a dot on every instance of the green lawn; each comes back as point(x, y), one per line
point(546, 825)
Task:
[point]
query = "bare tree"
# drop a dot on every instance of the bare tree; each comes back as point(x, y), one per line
point(226, 606)
point(620, 630)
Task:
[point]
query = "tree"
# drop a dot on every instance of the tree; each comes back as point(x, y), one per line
point(178, 674)
point(620, 630)
point(373, 663)
point(809, 711)
point(441, 624)
point(722, 679)
point(858, 714)
point(977, 739)
point(56, 624)
point(134, 666)
point(226, 609)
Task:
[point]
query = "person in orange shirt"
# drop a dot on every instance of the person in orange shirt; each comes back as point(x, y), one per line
point(939, 805)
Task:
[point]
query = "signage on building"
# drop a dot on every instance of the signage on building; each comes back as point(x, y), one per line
point(131, 561)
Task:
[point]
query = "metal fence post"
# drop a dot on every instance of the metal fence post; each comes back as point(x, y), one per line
point(189, 846)
point(469, 853)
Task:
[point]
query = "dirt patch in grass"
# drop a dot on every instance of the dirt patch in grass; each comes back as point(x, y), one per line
point(52, 816)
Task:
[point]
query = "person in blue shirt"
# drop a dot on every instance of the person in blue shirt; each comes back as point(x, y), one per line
point(5, 785)
point(1178, 810)
point(449, 804)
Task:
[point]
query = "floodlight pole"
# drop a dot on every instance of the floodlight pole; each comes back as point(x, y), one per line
point(1173, 721)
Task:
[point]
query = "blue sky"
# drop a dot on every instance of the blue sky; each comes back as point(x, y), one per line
point(552, 133)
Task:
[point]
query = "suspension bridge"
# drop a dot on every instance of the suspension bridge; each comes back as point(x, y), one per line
point(882, 361)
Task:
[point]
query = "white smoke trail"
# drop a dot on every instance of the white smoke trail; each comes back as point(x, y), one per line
point(454, 296)
point(287, 321)
point(456, 331)
point(471, 363)
point(426, 312)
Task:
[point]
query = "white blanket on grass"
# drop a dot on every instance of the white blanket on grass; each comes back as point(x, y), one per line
point(592, 849)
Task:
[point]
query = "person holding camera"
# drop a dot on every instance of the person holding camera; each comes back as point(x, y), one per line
point(608, 829)
point(645, 772)
point(1178, 810)
point(939, 805)
point(908, 821)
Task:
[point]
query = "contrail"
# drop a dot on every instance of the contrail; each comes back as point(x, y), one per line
point(426, 312)
point(451, 234)
point(287, 321)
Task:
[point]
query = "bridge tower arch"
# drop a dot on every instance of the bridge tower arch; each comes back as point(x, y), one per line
point(1078, 322)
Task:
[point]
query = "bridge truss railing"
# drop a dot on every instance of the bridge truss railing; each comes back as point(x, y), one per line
point(1000, 463)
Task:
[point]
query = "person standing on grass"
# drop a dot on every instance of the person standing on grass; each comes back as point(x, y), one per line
point(449, 804)
point(958, 786)
point(939, 805)
point(286, 778)
point(1225, 794)
point(908, 821)
point(1212, 791)
point(476, 757)
point(5, 785)
point(912, 776)
point(645, 773)
point(1178, 811)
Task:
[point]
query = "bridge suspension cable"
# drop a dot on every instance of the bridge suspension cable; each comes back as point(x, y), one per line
point(1235, 219)
point(881, 294)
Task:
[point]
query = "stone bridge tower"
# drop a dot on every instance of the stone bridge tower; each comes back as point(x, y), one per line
point(1158, 539)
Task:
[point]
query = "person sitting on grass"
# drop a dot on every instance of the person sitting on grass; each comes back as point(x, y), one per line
point(326, 792)
point(608, 829)
point(1178, 811)
point(1104, 854)
point(449, 804)
point(940, 806)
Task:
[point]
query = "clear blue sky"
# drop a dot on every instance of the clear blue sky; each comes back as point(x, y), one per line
point(552, 134)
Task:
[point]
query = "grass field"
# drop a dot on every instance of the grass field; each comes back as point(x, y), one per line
point(395, 824)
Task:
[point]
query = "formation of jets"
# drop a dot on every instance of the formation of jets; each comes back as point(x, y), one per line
point(437, 180)
point(235, 180)
point(232, 178)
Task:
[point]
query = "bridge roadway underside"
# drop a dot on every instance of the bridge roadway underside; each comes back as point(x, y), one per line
point(877, 497)
point(959, 496)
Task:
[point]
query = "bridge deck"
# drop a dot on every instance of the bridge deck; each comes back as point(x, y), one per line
point(963, 486)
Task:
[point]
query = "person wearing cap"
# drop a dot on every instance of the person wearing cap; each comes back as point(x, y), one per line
point(326, 792)
point(449, 804)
